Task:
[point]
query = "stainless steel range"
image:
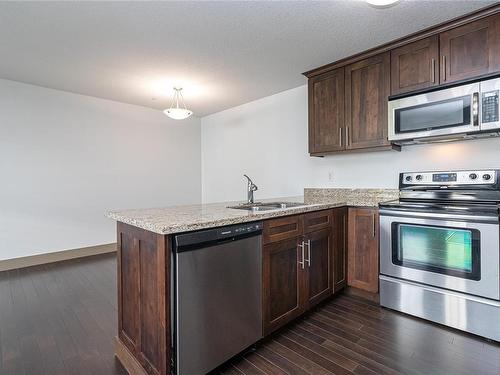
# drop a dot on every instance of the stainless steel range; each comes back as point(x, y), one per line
point(440, 249)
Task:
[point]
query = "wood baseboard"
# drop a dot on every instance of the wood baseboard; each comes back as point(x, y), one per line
point(35, 260)
point(127, 360)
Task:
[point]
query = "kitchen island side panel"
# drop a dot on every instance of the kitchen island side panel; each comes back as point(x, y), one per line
point(143, 300)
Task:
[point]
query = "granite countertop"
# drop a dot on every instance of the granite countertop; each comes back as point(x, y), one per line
point(177, 219)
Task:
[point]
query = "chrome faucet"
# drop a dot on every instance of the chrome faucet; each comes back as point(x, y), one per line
point(251, 187)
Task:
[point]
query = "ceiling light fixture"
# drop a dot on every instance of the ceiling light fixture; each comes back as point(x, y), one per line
point(382, 3)
point(175, 111)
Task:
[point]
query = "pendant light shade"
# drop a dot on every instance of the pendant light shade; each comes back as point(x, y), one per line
point(382, 3)
point(176, 111)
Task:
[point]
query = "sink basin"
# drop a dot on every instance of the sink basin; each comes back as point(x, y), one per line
point(266, 206)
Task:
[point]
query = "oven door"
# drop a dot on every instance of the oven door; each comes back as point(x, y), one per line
point(454, 252)
point(435, 114)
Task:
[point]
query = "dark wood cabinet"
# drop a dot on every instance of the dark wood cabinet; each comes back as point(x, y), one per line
point(415, 66)
point(318, 262)
point(283, 284)
point(363, 249)
point(297, 271)
point(143, 299)
point(326, 112)
point(367, 87)
point(470, 50)
point(339, 257)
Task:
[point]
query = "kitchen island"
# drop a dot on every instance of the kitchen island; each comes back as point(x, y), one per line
point(145, 268)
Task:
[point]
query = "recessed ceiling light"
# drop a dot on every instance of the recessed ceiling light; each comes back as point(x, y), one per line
point(382, 3)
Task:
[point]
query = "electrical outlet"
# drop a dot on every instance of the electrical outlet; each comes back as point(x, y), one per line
point(330, 176)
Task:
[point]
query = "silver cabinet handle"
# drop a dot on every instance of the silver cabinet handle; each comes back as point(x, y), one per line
point(302, 263)
point(340, 136)
point(347, 136)
point(444, 67)
point(433, 71)
point(308, 260)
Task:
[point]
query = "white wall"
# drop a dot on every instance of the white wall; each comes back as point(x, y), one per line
point(267, 139)
point(66, 159)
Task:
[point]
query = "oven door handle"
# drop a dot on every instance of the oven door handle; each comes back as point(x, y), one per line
point(443, 216)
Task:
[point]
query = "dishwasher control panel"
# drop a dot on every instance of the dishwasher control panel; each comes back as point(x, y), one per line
point(237, 230)
point(184, 241)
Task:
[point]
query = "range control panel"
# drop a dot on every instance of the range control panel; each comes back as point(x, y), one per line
point(472, 177)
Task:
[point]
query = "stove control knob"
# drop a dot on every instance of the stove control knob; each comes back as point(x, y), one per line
point(473, 176)
point(419, 177)
point(408, 178)
point(487, 177)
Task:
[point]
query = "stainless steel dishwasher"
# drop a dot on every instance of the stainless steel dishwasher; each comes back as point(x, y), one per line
point(217, 296)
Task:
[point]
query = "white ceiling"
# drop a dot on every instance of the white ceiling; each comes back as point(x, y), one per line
point(223, 53)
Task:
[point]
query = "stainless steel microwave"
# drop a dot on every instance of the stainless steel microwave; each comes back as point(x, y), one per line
point(446, 114)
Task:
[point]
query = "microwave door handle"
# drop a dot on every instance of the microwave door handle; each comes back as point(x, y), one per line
point(475, 109)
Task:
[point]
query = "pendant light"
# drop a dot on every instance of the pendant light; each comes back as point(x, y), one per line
point(382, 3)
point(175, 111)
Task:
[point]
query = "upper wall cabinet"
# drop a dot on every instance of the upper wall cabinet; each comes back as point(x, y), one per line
point(415, 66)
point(348, 98)
point(348, 107)
point(367, 87)
point(326, 112)
point(470, 50)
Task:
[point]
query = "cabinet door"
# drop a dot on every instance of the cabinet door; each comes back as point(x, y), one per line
point(283, 283)
point(415, 65)
point(339, 249)
point(326, 112)
point(470, 50)
point(367, 89)
point(318, 258)
point(363, 254)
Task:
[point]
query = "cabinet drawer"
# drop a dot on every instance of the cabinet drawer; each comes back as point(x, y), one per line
point(317, 220)
point(282, 228)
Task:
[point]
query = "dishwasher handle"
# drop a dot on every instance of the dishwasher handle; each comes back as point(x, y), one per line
point(203, 238)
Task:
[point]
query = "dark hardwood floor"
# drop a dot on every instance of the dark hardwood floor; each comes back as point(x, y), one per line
point(61, 319)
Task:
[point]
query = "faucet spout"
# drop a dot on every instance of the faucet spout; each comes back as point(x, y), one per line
point(251, 187)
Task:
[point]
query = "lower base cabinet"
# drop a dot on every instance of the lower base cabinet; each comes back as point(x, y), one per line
point(363, 253)
point(298, 272)
point(318, 266)
point(283, 289)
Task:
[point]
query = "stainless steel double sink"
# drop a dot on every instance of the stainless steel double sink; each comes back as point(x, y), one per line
point(267, 206)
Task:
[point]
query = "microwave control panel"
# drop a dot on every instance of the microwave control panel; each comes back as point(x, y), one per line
point(490, 106)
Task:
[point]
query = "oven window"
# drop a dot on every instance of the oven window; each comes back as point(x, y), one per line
point(449, 251)
point(435, 115)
